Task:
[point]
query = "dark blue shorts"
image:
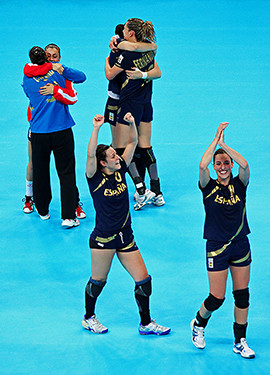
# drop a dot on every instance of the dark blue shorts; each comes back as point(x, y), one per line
point(140, 111)
point(123, 241)
point(220, 255)
point(111, 111)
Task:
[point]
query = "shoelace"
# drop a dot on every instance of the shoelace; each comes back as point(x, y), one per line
point(96, 323)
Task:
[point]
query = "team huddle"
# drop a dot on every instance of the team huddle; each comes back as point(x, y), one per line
point(130, 69)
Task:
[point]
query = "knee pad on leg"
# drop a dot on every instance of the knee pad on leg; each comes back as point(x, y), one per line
point(94, 287)
point(147, 156)
point(213, 303)
point(144, 287)
point(241, 298)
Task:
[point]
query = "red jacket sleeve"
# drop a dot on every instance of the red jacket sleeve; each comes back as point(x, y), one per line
point(29, 115)
point(33, 70)
point(67, 95)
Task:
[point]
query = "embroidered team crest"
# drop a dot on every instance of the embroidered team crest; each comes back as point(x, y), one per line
point(210, 262)
point(111, 116)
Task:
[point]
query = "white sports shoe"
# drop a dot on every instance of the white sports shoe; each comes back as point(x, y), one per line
point(243, 349)
point(197, 335)
point(136, 196)
point(93, 325)
point(70, 223)
point(142, 200)
point(153, 328)
point(158, 200)
point(45, 217)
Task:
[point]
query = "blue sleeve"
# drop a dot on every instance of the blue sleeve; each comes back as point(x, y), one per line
point(73, 75)
point(24, 86)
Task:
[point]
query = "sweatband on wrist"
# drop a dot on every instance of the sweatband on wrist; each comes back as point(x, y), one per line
point(144, 75)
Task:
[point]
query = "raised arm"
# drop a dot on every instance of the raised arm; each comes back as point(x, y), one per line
point(111, 72)
point(136, 73)
point(204, 174)
point(132, 140)
point(91, 163)
point(244, 172)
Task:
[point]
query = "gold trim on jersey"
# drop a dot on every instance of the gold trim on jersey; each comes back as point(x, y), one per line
point(212, 192)
point(124, 83)
point(241, 225)
point(101, 184)
point(219, 251)
point(126, 219)
point(242, 259)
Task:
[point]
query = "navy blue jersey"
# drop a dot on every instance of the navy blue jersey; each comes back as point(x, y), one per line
point(138, 89)
point(225, 210)
point(116, 83)
point(111, 202)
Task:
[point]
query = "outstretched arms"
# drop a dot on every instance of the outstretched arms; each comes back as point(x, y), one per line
point(91, 163)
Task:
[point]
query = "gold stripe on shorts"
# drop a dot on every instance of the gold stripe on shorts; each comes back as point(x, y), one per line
point(105, 240)
point(242, 259)
point(128, 246)
point(217, 252)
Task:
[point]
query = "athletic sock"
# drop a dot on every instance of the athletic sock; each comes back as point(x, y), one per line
point(201, 322)
point(143, 304)
point(90, 303)
point(239, 331)
point(29, 188)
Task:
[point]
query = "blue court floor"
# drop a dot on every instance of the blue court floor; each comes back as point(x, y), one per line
point(214, 57)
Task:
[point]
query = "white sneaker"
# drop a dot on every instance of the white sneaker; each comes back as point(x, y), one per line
point(243, 349)
point(136, 196)
point(93, 325)
point(142, 200)
point(70, 223)
point(158, 200)
point(197, 335)
point(45, 217)
point(153, 328)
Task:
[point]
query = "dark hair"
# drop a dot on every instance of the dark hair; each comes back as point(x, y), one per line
point(101, 154)
point(52, 45)
point(37, 55)
point(143, 30)
point(220, 151)
point(119, 30)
